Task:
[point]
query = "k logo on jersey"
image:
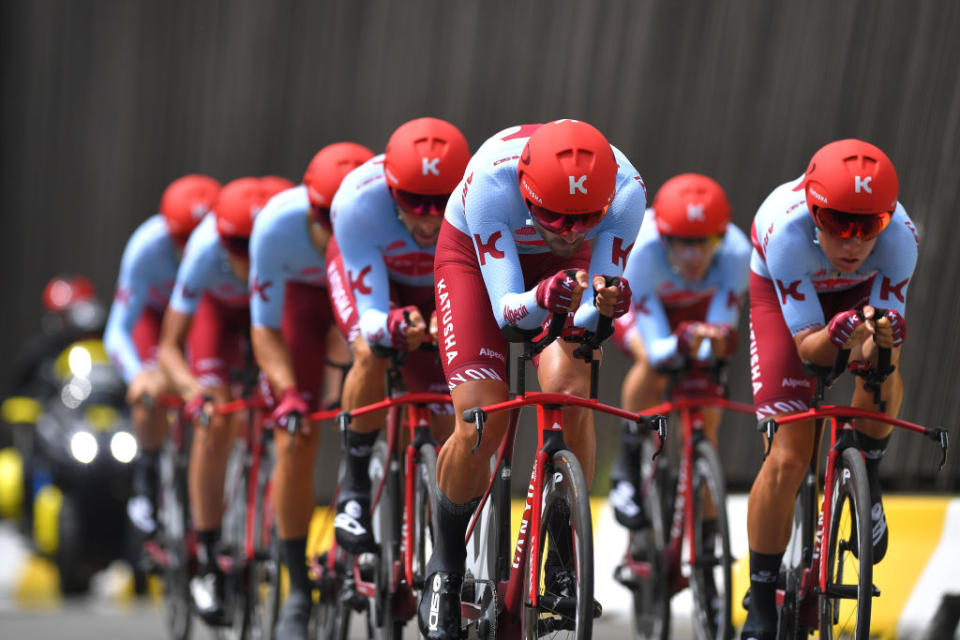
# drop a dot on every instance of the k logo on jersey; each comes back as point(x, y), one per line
point(490, 246)
point(358, 284)
point(791, 290)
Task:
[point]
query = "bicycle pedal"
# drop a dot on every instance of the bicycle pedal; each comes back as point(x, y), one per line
point(367, 563)
point(597, 608)
point(876, 591)
point(626, 577)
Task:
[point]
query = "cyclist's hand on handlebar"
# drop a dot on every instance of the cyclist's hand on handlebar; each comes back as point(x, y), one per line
point(614, 300)
point(723, 339)
point(196, 404)
point(891, 330)
point(849, 328)
point(407, 328)
point(561, 292)
point(149, 382)
point(689, 337)
point(290, 402)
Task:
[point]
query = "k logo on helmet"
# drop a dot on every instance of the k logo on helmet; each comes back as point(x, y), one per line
point(695, 212)
point(429, 165)
point(576, 184)
point(862, 184)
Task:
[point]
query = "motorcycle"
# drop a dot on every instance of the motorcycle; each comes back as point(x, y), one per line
point(68, 471)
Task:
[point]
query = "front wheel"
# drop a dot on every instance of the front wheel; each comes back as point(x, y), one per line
point(710, 570)
point(845, 607)
point(565, 606)
point(647, 546)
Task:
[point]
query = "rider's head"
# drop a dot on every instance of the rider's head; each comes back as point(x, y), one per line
point(273, 185)
point(567, 175)
point(237, 205)
point(424, 161)
point(325, 173)
point(692, 213)
point(851, 191)
point(184, 203)
point(71, 304)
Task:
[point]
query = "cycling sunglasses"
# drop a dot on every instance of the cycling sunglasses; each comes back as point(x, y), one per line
point(417, 205)
point(236, 245)
point(564, 224)
point(706, 243)
point(851, 225)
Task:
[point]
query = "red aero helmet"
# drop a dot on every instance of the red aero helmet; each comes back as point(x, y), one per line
point(691, 205)
point(186, 200)
point(273, 185)
point(239, 202)
point(62, 292)
point(426, 156)
point(328, 169)
point(851, 176)
point(567, 167)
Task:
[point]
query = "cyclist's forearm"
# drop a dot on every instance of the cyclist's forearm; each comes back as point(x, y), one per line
point(814, 345)
point(273, 357)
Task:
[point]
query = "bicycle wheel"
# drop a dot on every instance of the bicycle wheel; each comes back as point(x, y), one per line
point(710, 575)
point(387, 534)
point(651, 596)
point(565, 601)
point(174, 516)
point(424, 513)
point(264, 580)
point(845, 606)
point(483, 555)
point(797, 558)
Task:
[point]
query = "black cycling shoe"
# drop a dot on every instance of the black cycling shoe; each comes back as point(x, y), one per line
point(352, 527)
point(754, 629)
point(879, 534)
point(439, 612)
point(207, 592)
point(627, 507)
point(294, 617)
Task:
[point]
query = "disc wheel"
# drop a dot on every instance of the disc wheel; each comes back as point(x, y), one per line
point(845, 606)
point(565, 605)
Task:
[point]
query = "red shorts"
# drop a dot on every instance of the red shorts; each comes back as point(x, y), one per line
point(779, 383)
point(421, 372)
point(215, 345)
point(307, 318)
point(471, 346)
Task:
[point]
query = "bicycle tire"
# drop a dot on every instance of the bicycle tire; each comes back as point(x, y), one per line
point(386, 532)
point(564, 487)
point(484, 551)
point(174, 519)
point(650, 596)
point(264, 582)
point(851, 499)
point(708, 479)
point(425, 524)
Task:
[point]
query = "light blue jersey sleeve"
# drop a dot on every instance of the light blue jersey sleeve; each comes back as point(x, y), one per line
point(148, 261)
point(199, 263)
point(359, 236)
point(895, 260)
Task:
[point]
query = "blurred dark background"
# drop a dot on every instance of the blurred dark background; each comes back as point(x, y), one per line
point(105, 102)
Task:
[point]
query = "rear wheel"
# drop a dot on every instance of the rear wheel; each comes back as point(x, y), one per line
point(651, 596)
point(565, 605)
point(710, 575)
point(845, 607)
point(425, 525)
point(174, 519)
point(264, 581)
point(386, 533)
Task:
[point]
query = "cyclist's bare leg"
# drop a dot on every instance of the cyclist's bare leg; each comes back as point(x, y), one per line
point(560, 372)
point(338, 353)
point(461, 473)
point(770, 506)
point(892, 394)
point(441, 426)
point(711, 419)
point(293, 481)
point(208, 464)
point(150, 425)
point(364, 385)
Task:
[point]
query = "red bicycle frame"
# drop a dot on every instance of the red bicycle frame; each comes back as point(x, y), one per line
point(527, 550)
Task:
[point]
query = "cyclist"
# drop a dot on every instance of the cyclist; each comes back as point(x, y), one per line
point(826, 245)
point(210, 303)
point(147, 273)
point(292, 320)
point(514, 248)
point(690, 268)
point(386, 217)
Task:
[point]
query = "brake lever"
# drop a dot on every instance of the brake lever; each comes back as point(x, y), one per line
point(661, 424)
point(476, 417)
point(768, 427)
point(941, 436)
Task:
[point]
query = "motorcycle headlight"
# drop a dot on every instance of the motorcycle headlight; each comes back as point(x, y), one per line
point(83, 446)
point(123, 446)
